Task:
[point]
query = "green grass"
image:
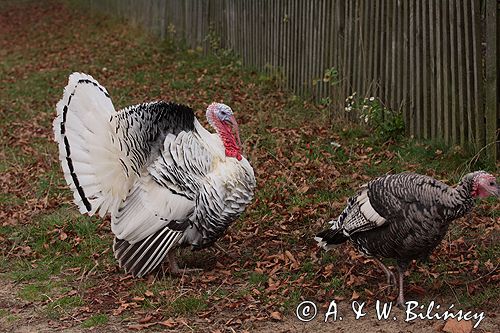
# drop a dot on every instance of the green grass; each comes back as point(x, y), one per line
point(290, 304)
point(36, 292)
point(6, 316)
point(60, 240)
point(62, 306)
point(96, 320)
point(188, 305)
point(257, 279)
point(477, 300)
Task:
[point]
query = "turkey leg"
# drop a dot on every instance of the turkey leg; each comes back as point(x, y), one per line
point(391, 279)
point(174, 267)
point(401, 274)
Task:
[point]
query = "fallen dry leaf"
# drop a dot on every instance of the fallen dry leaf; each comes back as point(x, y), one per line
point(139, 327)
point(168, 323)
point(276, 316)
point(455, 326)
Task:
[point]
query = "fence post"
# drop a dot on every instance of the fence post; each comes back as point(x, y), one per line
point(491, 78)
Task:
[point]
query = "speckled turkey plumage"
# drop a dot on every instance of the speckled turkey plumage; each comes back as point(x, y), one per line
point(164, 179)
point(416, 210)
point(401, 216)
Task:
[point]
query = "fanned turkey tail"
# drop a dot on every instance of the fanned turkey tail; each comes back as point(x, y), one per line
point(87, 147)
point(335, 235)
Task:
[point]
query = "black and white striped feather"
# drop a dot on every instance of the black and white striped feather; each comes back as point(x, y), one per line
point(164, 179)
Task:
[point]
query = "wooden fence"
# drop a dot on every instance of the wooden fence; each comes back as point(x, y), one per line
point(435, 60)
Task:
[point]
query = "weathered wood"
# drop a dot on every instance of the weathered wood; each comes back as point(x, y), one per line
point(460, 73)
point(436, 61)
point(446, 73)
point(469, 99)
point(432, 69)
point(393, 67)
point(453, 69)
point(478, 91)
point(413, 73)
point(406, 103)
point(425, 108)
point(377, 56)
point(491, 111)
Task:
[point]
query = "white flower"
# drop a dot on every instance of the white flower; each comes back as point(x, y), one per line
point(372, 99)
point(335, 144)
point(366, 119)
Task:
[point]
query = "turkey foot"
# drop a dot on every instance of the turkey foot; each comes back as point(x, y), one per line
point(174, 267)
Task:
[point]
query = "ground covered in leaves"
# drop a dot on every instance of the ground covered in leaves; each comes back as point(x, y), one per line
point(56, 267)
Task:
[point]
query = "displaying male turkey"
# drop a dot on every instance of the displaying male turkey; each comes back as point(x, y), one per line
point(165, 180)
point(404, 216)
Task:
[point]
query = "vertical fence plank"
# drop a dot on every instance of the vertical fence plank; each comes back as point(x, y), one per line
point(377, 49)
point(293, 50)
point(393, 45)
point(406, 64)
point(468, 72)
point(365, 47)
point(477, 74)
point(321, 42)
point(412, 77)
point(491, 111)
point(387, 49)
point(453, 68)
point(438, 68)
point(304, 64)
point(342, 57)
point(369, 23)
point(355, 45)
point(362, 48)
point(446, 72)
point(460, 73)
point(399, 76)
point(425, 109)
point(286, 41)
point(432, 70)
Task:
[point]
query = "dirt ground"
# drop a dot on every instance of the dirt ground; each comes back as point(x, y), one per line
point(27, 321)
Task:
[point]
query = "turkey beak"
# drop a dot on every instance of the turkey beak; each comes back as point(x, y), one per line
point(498, 191)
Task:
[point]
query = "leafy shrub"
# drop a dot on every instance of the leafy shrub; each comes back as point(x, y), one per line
point(386, 123)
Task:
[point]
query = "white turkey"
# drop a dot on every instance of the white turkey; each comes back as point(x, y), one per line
point(166, 181)
point(404, 216)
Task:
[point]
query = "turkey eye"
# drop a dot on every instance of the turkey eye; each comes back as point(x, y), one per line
point(492, 183)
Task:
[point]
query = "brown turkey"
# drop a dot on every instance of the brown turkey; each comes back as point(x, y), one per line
point(404, 216)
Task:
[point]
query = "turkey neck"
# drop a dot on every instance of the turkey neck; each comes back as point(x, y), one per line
point(463, 201)
point(231, 146)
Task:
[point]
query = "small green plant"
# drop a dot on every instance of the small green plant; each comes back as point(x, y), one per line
point(215, 43)
point(99, 319)
point(386, 123)
point(257, 278)
point(331, 76)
